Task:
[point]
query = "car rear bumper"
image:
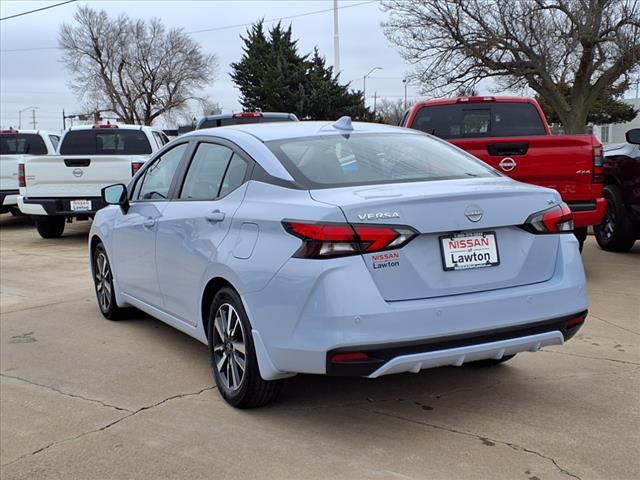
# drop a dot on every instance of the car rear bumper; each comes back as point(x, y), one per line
point(8, 198)
point(57, 206)
point(588, 213)
point(338, 308)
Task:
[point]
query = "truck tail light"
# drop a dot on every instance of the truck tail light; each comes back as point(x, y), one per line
point(330, 240)
point(22, 179)
point(135, 166)
point(558, 219)
point(598, 164)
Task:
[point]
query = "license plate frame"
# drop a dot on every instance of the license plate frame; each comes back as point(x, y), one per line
point(449, 264)
point(80, 205)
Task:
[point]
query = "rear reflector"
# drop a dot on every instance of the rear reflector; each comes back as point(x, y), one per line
point(557, 219)
point(135, 166)
point(329, 240)
point(22, 180)
point(574, 322)
point(349, 357)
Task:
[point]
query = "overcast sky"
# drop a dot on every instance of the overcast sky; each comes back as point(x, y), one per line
point(36, 77)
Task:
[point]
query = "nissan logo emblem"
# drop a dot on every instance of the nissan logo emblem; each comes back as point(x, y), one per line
point(473, 213)
point(77, 172)
point(507, 164)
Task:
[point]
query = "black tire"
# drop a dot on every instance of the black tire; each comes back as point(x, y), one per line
point(581, 235)
point(103, 283)
point(15, 211)
point(49, 227)
point(229, 334)
point(490, 362)
point(615, 233)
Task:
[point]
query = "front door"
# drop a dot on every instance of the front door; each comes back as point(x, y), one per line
point(134, 233)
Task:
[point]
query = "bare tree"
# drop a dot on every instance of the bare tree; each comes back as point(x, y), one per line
point(588, 45)
point(136, 69)
point(390, 111)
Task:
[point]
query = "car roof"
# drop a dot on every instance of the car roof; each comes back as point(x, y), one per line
point(36, 132)
point(115, 127)
point(267, 132)
point(219, 116)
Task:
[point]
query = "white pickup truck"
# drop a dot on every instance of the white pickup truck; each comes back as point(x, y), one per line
point(16, 145)
point(57, 188)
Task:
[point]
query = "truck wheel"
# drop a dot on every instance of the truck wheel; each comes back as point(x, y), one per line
point(15, 211)
point(49, 227)
point(581, 235)
point(615, 233)
point(233, 356)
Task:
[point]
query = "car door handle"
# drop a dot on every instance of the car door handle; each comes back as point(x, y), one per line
point(149, 223)
point(215, 216)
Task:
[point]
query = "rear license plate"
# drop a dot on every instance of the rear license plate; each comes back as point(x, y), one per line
point(469, 250)
point(80, 205)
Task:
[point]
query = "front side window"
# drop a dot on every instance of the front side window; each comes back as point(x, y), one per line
point(157, 178)
point(107, 141)
point(363, 158)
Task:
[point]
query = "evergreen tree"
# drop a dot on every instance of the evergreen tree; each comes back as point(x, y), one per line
point(273, 76)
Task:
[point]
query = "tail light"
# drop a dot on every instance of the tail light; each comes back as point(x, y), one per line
point(330, 240)
point(598, 164)
point(22, 179)
point(247, 114)
point(135, 166)
point(556, 219)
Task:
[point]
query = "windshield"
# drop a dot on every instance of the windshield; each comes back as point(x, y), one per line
point(110, 141)
point(360, 159)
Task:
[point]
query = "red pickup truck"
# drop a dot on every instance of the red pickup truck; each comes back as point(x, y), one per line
point(512, 135)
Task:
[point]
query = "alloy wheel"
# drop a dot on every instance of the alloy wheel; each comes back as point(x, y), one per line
point(229, 353)
point(608, 225)
point(103, 281)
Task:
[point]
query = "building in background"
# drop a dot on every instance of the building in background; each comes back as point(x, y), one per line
point(614, 133)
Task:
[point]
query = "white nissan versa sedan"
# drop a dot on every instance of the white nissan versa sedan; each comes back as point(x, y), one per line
point(338, 249)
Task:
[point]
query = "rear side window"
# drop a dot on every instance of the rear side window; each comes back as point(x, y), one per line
point(360, 159)
point(22, 144)
point(472, 120)
point(206, 171)
point(105, 141)
point(55, 140)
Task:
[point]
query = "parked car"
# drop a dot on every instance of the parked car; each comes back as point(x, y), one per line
point(620, 227)
point(338, 249)
point(512, 135)
point(15, 146)
point(58, 188)
point(241, 118)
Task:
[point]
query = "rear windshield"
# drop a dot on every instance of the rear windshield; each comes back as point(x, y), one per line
point(105, 142)
point(22, 144)
point(471, 120)
point(361, 159)
point(223, 122)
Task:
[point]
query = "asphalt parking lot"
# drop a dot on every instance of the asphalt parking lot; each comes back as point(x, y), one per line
point(82, 397)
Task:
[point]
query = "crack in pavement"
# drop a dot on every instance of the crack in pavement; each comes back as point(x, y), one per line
point(33, 307)
point(592, 358)
point(108, 425)
point(72, 395)
point(614, 324)
point(483, 438)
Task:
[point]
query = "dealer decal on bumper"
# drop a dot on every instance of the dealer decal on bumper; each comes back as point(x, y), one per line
point(385, 260)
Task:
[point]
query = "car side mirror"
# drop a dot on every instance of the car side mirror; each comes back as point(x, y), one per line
point(116, 195)
point(633, 136)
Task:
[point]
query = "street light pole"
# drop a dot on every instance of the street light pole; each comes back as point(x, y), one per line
point(404, 80)
point(20, 115)
point(364, 85)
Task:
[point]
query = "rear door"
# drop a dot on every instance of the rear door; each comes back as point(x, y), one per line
point(134, 232)
point(195, 222)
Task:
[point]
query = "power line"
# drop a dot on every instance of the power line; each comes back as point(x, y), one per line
point(215, 29)
point(36, 10)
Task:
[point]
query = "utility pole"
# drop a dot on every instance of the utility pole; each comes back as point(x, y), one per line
point(404, 80)
point(33, 122)
point(375, 102)
point(20, 115)
point(64, 121)
point(364, 85)
point(336, 40)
